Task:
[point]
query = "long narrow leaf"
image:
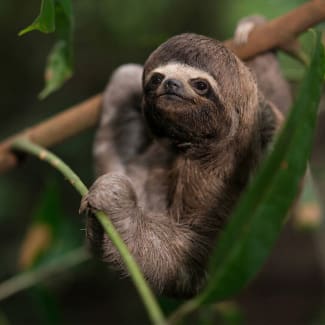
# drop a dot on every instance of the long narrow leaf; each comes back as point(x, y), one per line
point(256, 222)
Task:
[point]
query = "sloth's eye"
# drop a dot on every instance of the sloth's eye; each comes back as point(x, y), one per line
point(200, 86)
point(157, 78)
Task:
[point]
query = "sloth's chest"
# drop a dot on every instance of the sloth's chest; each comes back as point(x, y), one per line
point(151, 186)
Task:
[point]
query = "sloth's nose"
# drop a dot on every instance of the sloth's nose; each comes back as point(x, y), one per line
point(172, 85)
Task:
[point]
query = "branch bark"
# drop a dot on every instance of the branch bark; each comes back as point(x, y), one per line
point(278, 32)
point(281, 30)
point(54, 130)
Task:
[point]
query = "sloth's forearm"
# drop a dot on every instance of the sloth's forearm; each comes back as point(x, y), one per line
point(163, 249)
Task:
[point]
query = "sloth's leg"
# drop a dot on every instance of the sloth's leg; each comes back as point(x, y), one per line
point(171, 255)
point(265, 67)
point(121, 134)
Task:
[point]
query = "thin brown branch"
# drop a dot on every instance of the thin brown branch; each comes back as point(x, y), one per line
point(54, 130)
point(275, 33)
point(281, 30)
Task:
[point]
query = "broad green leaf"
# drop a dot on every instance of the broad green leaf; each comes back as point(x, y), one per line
point(45, 22)
point(256, 222)
point(59, 66)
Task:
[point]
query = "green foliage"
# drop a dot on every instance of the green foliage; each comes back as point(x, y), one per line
point(149, 300)
point(62, 249)
point(253, 228)
point(58, 68)
point(255, 224)
point(45, 21)
point(56, 15)
point(257, 221)
point(64, 236)
point(60, 61)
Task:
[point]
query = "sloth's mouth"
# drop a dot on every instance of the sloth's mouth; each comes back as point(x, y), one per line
point(172, 95)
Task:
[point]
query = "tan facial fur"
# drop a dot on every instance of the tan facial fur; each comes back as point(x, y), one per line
point(184, 73)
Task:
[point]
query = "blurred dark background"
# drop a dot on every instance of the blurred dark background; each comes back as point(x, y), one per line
point(290, 289)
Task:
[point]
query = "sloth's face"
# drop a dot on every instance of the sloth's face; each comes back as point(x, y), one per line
point(179, 81)
point(184, 103)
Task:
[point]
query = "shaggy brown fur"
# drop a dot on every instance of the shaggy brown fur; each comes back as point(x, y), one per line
point(174, 164)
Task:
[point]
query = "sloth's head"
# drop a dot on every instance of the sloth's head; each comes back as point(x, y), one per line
point(195, 88)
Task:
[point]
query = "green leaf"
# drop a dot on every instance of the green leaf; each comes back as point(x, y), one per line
point(67, 8)
point(64, 19)
point(59, 66)
point(256, 222)
point(45, 22)
point(56, 15)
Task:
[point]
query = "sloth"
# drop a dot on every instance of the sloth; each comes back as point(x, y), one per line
point(176, 146)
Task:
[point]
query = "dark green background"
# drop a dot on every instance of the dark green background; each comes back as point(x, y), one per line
point(109, 33)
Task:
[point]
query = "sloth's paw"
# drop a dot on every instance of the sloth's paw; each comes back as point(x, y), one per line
point(245, 26)
point(110, 193)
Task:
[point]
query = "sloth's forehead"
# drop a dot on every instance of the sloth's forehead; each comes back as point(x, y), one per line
point(182, 71)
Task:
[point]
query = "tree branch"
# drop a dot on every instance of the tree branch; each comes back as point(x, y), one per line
point(281, 30)
point(278, 32)
point(54, 130)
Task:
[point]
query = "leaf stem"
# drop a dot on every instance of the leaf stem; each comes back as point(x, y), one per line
point(149, 300)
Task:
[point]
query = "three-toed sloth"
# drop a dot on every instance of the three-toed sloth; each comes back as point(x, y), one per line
point(177, 143)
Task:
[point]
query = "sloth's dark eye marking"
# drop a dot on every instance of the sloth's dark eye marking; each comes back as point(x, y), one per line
point(156, 79)
point(154, 82)
point(201, 86)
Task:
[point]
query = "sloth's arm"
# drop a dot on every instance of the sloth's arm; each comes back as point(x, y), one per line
point(170, 255)
point(121, 133)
